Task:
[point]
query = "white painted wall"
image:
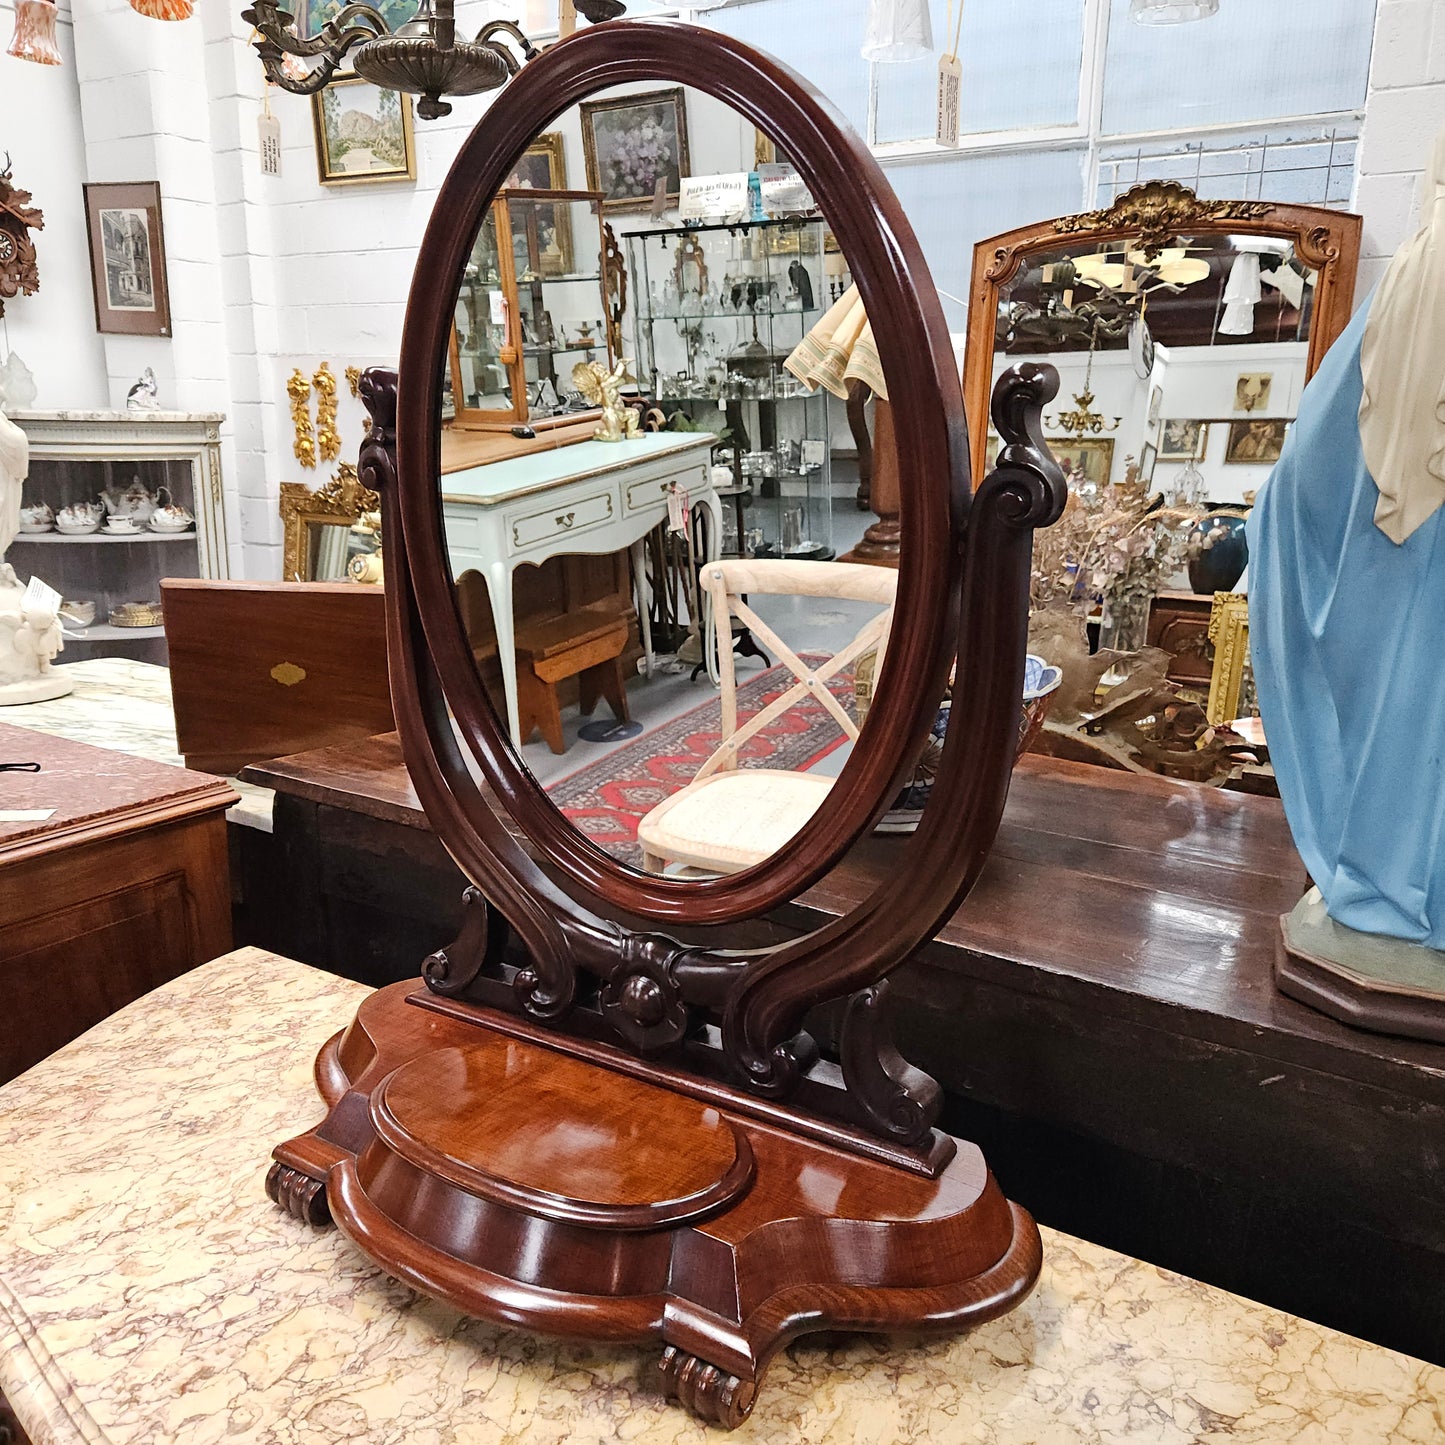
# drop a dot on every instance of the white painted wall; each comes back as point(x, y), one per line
point(1404, 112)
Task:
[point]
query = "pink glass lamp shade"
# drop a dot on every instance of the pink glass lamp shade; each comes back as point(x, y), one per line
point(34, 37)
point(164, 9)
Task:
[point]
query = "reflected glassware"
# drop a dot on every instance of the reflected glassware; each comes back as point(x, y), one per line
point(792, 539)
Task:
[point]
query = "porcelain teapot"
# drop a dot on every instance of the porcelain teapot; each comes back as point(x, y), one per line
point(134, 501)
point(169, 515)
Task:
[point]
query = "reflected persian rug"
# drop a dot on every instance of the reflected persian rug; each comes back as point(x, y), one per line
point(606, 799)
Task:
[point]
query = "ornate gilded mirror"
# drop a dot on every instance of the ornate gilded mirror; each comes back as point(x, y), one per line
point(1183, 330)
point(329, 532)
point(600, 1113)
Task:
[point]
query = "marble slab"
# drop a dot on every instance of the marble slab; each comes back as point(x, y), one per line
point(125, 705)
point(149, 1293)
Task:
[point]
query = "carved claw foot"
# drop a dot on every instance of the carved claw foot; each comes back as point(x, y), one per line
point(300, 1195)
point(711, 1394)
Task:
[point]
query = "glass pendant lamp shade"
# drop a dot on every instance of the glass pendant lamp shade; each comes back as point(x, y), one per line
point(897, 30)
point(1171, 12)
point(164, 9)
point(34, 37)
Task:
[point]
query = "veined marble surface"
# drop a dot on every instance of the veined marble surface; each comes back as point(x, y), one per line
point(150, 1293)
point(126, 705)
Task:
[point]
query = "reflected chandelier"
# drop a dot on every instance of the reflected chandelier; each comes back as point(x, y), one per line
point(423, 57)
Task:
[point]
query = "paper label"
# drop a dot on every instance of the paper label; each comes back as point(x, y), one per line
point(677, 509)
point(268, 129)
point(950, 83)
point(714, 198)
point(40, 598)
point(784, 193)
point(25, 815)
point(499, 308)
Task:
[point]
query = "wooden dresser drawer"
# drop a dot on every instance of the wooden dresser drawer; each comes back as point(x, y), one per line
point(529, 529)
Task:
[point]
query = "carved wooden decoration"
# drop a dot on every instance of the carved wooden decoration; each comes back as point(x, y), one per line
point(598, 1114)
point(19, 274)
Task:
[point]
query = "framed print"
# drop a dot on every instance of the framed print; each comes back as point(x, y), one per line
point(128, 258)
point(311, 15)
point(1229, 632)
point(543, 166)
point(1256, 443)
point(1251, 391)
point(1093, 457)
point(1156, 401)
point(1148, 458)
point(1183, 441)
point(632, 142)
point(363, 133)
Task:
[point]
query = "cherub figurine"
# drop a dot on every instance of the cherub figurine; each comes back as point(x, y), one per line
point(603, 388)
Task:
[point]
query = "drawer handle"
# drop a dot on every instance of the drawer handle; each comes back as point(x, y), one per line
point(565, 519)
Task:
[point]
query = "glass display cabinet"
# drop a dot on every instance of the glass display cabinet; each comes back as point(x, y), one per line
point(544, 289)
point(718, 309)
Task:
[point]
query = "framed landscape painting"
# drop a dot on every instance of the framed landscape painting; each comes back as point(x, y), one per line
point(363, 133)
point(631, 143)
point(128, 258)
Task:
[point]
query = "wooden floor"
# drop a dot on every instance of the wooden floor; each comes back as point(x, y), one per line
point(1100, 1013)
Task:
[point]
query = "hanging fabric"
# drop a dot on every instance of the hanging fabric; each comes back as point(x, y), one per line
point(840, 349)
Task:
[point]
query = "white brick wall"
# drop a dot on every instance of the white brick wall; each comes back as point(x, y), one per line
point(1404, 112)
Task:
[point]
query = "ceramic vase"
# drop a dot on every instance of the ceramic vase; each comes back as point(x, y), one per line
point(1222, 554)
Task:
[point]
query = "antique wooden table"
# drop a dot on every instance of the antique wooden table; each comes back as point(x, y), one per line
point(113, 879)
point(1101, 1014)
point(590, 497)
point(151, 1295)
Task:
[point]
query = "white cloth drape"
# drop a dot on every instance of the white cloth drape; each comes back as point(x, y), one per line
point(1402, 361)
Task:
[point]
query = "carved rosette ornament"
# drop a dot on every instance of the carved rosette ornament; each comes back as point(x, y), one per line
point(19, 274)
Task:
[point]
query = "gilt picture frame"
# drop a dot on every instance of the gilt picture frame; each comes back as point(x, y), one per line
point(631, 142)
point(1183, 439)
point(364, 133)
point(1256, 443)
point(128, 258)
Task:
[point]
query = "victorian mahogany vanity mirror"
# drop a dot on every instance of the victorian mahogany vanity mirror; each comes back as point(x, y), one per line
point(599, 1114)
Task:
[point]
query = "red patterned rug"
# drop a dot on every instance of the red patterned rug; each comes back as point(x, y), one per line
point(608, 798)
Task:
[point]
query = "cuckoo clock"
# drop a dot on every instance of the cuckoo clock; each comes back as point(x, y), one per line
point(18, 272)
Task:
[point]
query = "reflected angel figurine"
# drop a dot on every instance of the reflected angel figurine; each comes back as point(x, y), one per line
point(603, 388)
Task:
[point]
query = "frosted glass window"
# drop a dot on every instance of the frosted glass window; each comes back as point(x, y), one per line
point(953, 204)
point(1248, 62)
point(1020, 70)
point(821, 42)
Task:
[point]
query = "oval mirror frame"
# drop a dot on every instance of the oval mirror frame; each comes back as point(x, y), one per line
point(1154, 213)
point(429, 641)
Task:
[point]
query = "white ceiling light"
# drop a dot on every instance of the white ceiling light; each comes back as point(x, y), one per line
point(1171, 12)
point(897, 30)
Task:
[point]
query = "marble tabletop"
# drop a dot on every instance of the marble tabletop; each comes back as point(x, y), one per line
point(149, 1293)
point(125, 705)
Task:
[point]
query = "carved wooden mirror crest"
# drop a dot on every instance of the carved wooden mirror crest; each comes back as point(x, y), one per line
point(595, 1116)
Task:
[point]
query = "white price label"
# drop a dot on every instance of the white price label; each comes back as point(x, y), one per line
point(499, 308)
point(268, 130)
point(677, 509)
point(715, 198)
point(40, 598)
point(950, 82)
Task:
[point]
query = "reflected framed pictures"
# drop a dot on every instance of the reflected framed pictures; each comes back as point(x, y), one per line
point(1148, 459)
point(543, 167)
point(363, 133)
point(633, 142)
point(1183, 440)
point(1256, 443)
point(1093, 457)
point(1251, 391)
point(128, 258)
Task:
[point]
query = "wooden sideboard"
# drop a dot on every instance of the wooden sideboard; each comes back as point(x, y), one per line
point(1101, 1014)
point(122, 886)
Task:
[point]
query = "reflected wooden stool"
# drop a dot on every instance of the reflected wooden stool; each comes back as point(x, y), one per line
point(586, 644)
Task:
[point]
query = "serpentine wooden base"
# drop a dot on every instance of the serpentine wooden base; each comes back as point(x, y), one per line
point(537, 1189)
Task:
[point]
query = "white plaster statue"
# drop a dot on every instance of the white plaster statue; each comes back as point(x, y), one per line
point(29, 637)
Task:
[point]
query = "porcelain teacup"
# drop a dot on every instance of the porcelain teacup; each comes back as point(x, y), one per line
point(79, 517)
point(37, 518)
point(122, 526)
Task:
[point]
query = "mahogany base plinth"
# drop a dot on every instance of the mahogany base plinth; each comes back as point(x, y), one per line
point(1352, 998)
point(536, 1189)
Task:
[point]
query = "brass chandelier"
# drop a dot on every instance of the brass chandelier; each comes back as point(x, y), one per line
point(423, 57)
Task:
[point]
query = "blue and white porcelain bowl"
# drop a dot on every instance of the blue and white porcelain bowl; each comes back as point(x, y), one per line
point(1041, 681)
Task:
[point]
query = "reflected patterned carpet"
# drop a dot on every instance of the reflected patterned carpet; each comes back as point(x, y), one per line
point(606, 799)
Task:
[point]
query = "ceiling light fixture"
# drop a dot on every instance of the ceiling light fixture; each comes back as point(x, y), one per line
point(423, 57)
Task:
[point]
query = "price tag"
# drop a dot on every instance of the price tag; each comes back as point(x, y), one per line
point(950, 83)
point(714, 198)
point(677, 509)
point(268, 130)
point(40, 598)
point(499, 308)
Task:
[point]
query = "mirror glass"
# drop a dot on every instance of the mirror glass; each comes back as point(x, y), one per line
point(625, 413)
point(1188, 360)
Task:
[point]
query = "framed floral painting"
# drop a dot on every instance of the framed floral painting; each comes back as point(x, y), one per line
point(631, 143)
